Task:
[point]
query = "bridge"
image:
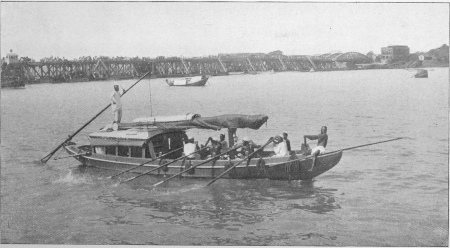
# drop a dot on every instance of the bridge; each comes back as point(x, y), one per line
point(223, 64)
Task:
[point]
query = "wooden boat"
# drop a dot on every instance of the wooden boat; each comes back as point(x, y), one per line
point(251, 72)
point(144, 139)
point(189, 81)
point(231, 73)
point(421, 74)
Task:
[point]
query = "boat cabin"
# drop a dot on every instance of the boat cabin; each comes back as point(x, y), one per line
point(150, 137)
point(138, 143)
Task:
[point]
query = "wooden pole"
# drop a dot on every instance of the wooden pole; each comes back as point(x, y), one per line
point(147, 162)
point(249, 156)
point(173, 161)
point(370, 144)
point(46, 158)
point(206, 161)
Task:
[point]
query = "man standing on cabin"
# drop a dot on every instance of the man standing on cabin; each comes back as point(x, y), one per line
point(321, 144)
point(116, 103)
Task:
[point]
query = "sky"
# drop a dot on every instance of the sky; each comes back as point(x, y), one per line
point(149, 29)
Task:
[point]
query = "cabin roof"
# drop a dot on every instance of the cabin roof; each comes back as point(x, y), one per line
point(130, 134)
point(129, 137)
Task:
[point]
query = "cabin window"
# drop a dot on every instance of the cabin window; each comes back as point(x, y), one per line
point(123, 151)
point(147, 152)
point(100, 150)
point(158, 144)
point(110, 150)
point(165, 143)
point(136, 152)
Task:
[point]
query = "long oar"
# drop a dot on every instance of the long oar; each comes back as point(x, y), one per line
point(353, 147)
point(206, 161)
point(46, 158)
point(147, 162)
point(249, 156)
point(145, 173)
point(349, 148)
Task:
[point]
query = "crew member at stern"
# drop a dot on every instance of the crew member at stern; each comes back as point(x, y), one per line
point(321, 144)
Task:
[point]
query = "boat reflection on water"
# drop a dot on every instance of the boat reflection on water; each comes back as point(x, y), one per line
point(228, 204)
point(284, 195)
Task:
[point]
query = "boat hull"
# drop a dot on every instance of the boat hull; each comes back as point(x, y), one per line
point(421, 74)
point(13, 83)
point(295, 167)
point(299, 169)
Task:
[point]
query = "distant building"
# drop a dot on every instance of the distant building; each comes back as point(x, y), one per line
point(425, 57)
point(394, 53)
point(12, 57)
point(242, 55)
point(276, 53)
point(372, 56)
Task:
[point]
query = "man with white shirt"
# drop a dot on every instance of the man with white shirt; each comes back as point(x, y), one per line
point(190, 147)
point(116, 103)
point(280, 147)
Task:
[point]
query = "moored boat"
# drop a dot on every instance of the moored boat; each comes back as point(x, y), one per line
point(189, 81)
point(421, 74)
point(231, 73)
point(12, 82)
point(145, 139)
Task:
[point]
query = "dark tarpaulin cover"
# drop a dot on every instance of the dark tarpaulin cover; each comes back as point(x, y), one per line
point(214, 122)
point(230, 121)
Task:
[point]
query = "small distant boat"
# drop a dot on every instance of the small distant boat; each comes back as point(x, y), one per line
point(12, 83)
point(235, 73)
point(189, 81)
point(251, 72)
point(421, 74)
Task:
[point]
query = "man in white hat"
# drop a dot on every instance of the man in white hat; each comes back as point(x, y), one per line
point(279, 147)
point(116, 103)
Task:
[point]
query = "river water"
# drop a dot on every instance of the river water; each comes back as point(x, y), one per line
point(390, 194)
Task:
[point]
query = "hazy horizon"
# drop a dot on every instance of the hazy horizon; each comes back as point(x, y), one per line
point(149, 29)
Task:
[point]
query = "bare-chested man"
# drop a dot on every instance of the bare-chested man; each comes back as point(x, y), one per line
point(321, 144)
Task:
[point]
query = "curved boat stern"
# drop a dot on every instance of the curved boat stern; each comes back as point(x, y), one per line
point(78, 152)
point(301, 169)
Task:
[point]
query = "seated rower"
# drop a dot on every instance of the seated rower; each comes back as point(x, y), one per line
point(279, 147)
point(223, 143)
point(190, 146)
point(248, 147)
point(236, 143)
point(216, 147)
point(321, 144)
point(287, 141)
